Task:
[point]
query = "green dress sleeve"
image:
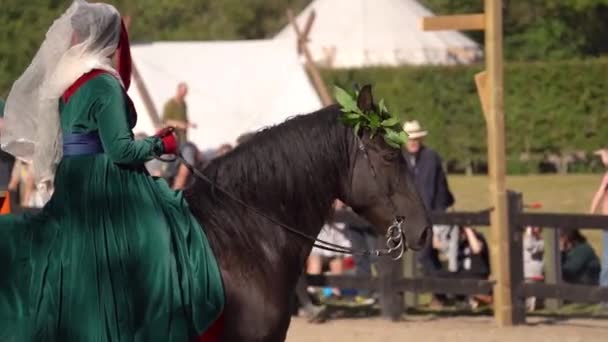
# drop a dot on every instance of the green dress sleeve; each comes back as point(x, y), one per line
point(110, 112)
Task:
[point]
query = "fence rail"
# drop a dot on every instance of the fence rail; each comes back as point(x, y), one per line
point(562, 221)
point(575, 293)
point(481, 218)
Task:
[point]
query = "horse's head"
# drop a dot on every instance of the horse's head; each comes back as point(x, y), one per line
point(380, 186)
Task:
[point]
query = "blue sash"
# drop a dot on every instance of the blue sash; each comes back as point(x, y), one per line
point(81, 144)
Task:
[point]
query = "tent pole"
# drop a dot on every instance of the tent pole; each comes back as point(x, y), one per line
point(311, 67)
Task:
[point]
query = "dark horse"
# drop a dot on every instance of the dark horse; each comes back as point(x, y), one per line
point(292, 173)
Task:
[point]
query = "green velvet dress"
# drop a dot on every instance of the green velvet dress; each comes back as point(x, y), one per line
point(115, 254)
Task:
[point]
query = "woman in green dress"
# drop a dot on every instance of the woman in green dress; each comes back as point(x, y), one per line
point(115, 255)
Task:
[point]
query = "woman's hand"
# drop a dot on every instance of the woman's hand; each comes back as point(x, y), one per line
point(167, 136)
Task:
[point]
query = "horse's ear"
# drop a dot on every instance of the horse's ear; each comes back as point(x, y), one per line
point(365, 101)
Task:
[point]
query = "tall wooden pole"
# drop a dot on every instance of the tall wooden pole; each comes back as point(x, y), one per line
point(311, 67)
point(499, 232)
point(490, 87)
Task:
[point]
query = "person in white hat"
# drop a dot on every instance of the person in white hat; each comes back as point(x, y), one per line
point(431, 181)
point(428, 169)
point(600, 200)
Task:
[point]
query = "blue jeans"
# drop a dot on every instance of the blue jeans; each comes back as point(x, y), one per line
point(363, 239)
point(604, 274)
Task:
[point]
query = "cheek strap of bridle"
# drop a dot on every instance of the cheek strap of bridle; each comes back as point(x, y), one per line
point(395, 236)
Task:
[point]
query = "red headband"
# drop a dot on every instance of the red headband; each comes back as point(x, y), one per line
point(124, 56)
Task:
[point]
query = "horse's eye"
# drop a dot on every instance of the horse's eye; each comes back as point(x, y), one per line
point(391, 157)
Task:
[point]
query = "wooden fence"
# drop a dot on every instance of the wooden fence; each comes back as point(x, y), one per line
point(399, 285)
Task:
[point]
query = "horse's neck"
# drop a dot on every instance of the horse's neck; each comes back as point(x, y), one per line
point(294, 185)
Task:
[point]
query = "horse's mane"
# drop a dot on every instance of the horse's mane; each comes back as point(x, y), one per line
point(290, 172)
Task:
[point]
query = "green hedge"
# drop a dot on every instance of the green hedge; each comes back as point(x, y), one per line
point(552, 107)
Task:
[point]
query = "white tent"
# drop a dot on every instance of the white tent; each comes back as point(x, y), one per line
point(234, 87)
point(361, 33)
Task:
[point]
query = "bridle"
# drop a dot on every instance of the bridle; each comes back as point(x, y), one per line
point(395, 237)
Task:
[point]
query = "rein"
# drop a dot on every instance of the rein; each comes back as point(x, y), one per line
point(395, 238)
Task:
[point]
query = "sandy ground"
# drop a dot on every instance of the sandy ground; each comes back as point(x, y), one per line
point(431, 329)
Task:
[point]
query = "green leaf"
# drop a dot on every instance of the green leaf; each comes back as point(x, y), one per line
point(374, 121)
point(346, 100)
point(390, 122)
point(403, 137)
point(357, 128)
point(348, 121)
point(391, 143)
point(382, 106)
point(352, 115)
point(394, 138)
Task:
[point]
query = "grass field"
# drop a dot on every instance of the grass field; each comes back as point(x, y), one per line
point(561, 194)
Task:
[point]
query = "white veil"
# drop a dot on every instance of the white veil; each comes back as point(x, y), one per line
point(84, 38)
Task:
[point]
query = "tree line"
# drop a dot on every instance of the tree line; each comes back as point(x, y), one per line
point(534, 30)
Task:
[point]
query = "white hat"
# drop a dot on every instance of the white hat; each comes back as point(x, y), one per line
point(414, 130)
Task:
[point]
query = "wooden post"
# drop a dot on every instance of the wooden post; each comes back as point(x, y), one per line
point(311, 67)
point(499, 230)
point(490, 86)
point(409, 272)
point(481, 82)
point(517, 300)
point(552, 261)
point(463, 22)
point(389, 272)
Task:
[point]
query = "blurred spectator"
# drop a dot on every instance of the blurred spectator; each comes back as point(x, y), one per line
point(362, 237)
point(175, 113)
point(433, 187)
point(19, 182)
point(22, 181)
point(177, 174)
point(534, 247)
point(445, 240)
point(332, 232)
point(427, 168)
point(473, 255)
point(6, 160)
point(580, 264)
point(473, 261)
point(601, 198)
